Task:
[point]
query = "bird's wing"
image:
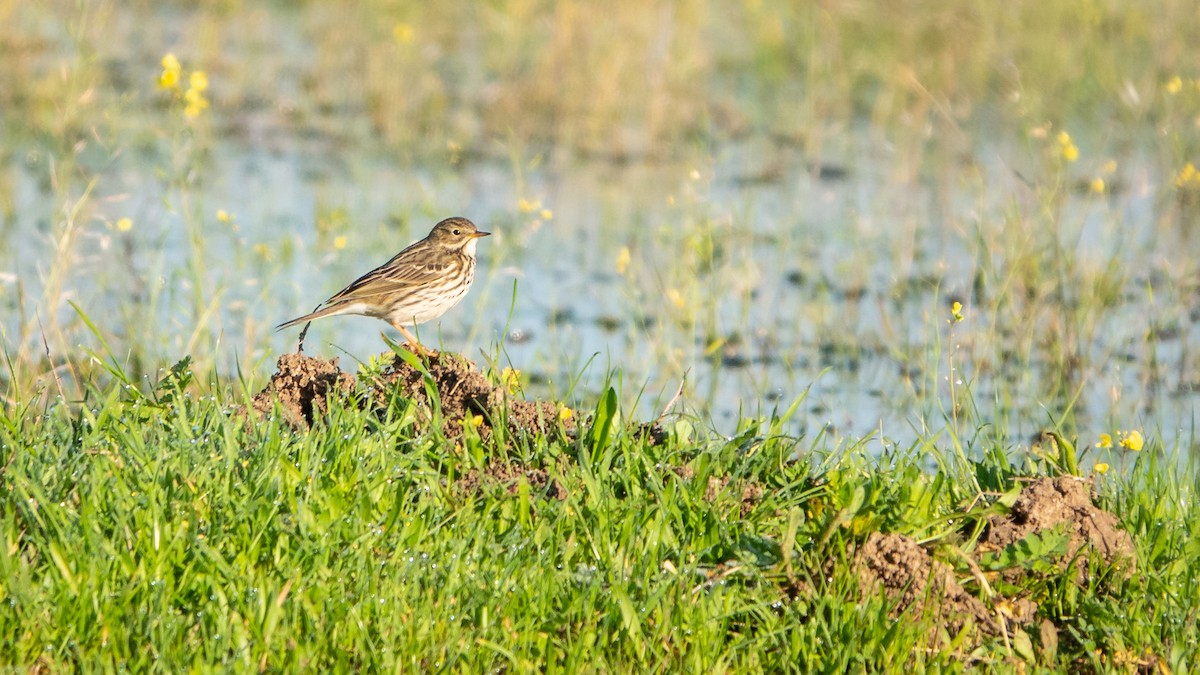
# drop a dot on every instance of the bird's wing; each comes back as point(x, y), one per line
point(395, 276)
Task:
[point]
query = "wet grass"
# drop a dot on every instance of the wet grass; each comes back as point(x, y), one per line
point(162, 530)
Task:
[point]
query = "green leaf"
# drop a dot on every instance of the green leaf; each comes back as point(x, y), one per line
point(1048, 545)
point(603, 420)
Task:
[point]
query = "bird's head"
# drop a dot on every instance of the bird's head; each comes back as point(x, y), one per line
point(457, 234)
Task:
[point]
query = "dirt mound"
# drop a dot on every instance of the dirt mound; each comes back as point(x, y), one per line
point(1066, 502)
point(304, 384)
point(911, 578)
point(464, 394)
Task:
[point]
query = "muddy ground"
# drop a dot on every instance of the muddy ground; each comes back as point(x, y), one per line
point(303, 386)
point(917, 579)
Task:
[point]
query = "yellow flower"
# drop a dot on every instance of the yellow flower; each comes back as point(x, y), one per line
point(1100, 468)
point(1187, 176)
point(198, 80)
point(124, 225)
point(676, 298)
point(403, 33)
point(1132, 441)
point(1069, 150)
point(526, 206)
point(510, 379)
point(1174, 85)
point(1110, 167)
point(1105, 441)
point(565, 414)
point(169, 79)
point(223, 216)
point(956, 311)
point(1098, 186)
point(339, 242)
point(546, 214)
point(623, 258)
point(263, 251)
point(195, 103)
point(474, 420)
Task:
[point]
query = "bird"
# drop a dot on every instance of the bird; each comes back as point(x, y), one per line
point(417, 285)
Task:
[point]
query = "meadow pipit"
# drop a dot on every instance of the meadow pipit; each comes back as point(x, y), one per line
point(419, 284)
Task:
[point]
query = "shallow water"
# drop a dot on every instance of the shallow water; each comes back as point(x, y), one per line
point(809, 286)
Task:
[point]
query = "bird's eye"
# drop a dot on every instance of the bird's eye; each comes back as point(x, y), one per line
point(457, 231)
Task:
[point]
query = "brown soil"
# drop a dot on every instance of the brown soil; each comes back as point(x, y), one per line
point(1064, 501)
point(303, 384)
point(909, 577)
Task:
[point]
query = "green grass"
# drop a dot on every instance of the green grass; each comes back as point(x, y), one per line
point(164, 533)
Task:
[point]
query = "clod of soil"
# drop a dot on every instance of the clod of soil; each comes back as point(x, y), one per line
point(912, 579)
point(303, 385)
point(1049, 502)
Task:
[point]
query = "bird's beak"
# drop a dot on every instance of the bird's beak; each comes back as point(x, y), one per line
point(477, 235)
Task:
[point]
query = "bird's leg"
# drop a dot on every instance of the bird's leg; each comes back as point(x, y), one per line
point(303, 332)
point(418, 348)
point(300, 343)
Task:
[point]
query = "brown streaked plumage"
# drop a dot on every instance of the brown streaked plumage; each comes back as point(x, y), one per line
point(419, 284)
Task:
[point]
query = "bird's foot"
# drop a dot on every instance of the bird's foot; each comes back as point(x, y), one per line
point(421, 350)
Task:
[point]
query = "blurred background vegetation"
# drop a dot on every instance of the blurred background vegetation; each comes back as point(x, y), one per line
point(628, 80)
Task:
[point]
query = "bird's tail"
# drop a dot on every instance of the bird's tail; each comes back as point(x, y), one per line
point(315, 314)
